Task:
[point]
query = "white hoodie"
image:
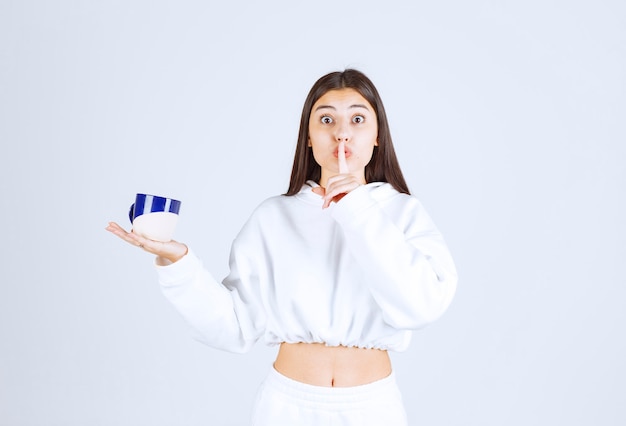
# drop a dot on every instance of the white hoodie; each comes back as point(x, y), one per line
point(363, 272)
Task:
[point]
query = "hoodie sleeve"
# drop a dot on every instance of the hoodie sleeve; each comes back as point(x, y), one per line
point(226, 315)
point(410, 272)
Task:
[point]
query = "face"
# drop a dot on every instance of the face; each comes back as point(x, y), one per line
point(342, 115)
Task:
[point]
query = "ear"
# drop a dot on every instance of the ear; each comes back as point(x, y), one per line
point(309, 142)
point(376, 143)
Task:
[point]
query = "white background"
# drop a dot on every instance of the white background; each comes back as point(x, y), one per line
point(508, 119)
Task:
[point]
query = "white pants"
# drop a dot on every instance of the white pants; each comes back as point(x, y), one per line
point(282, 401)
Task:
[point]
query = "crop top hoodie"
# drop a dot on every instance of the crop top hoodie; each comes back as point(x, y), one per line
point(363, 272)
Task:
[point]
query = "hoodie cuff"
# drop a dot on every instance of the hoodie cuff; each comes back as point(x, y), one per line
point(172, 274)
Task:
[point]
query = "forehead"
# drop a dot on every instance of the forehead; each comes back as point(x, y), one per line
point(342, 99)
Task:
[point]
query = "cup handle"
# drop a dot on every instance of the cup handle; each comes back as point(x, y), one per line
point(131, 212)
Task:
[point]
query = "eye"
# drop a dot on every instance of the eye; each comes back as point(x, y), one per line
point(326, 119)
point(358, 119)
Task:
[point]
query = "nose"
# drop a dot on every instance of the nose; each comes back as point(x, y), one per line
point(342, 132)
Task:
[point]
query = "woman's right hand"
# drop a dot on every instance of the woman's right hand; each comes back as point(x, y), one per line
point(167, 253)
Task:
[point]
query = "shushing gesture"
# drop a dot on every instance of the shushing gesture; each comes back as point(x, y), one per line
point(338, 186)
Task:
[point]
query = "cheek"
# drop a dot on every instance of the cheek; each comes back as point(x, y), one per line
point(318, 140)
point(319, 159)
point(315, 149)
point(316, 133)
point(365, 154)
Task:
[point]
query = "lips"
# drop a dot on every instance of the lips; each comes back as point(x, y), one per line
point(346, 150)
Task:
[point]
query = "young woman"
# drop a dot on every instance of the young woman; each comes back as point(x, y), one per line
point(336, 272)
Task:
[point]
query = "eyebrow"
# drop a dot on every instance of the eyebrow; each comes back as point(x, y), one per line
point(333, 108)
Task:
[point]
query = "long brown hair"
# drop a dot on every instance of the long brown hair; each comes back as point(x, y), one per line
point(383, 167)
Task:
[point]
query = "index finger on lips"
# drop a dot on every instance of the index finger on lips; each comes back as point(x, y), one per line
point(341, 155)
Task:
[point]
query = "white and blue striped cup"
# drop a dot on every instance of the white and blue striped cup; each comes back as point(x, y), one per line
point(154, 217)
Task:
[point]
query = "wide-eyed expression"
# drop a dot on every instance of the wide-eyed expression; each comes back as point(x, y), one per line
point(342, 116)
